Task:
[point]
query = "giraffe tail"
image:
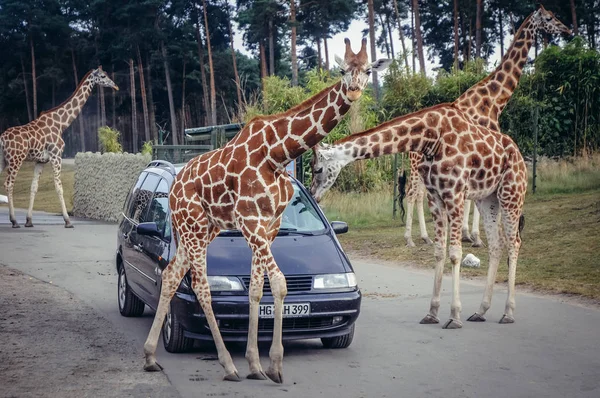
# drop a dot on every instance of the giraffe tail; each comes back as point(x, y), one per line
point(402, 193)
point(521, 224)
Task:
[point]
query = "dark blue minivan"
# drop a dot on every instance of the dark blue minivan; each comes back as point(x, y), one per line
point(323, 298)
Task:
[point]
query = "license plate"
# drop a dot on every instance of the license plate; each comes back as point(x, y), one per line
point(289, 310)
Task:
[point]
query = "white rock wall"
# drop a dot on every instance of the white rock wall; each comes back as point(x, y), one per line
point(102, 182)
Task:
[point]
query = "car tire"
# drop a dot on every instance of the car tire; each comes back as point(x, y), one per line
point(129, 304)
point(172, 333)
point(339, 341)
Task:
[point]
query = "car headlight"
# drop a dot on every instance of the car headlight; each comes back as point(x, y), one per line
point(225, 284)
point(334, 281)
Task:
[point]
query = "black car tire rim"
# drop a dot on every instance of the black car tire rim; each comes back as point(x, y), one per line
point(122, 289)
point(167, 330)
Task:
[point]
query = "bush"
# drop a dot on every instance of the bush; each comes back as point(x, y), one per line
point(147, 148)
point(109, 140)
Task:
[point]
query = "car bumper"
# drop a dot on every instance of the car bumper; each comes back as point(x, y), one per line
point(332, 315)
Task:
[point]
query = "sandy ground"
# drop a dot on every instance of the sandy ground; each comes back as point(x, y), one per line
point(53, 345)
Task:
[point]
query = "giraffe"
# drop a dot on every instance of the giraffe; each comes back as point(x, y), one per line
point(462, 159)
point(483, 103)
point(40, 141)
point(244, 185)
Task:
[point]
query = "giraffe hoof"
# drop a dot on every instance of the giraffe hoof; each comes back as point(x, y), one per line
point(429, 320)
point(452, 324)
point(28, 224)
point(428, 241)
point(69, 225)
point(410, 243)
point(476, 318)
point(257, 376)
point(15, 225)
point(152, 367)
point(275, 375)
point(507, 319)
point(232, 377)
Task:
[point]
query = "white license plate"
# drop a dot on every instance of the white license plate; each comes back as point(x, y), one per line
point(289, 310)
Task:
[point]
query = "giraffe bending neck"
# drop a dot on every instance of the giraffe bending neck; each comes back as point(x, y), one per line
point(305, 124)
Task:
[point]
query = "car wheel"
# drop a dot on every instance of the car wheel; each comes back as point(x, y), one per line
point(172, 331)
point(339, 341)
point(129, 304)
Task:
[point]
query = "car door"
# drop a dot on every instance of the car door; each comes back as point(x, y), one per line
point(155, 249)
point(142, 282)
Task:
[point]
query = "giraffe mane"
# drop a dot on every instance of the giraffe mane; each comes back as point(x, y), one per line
point(70, 97)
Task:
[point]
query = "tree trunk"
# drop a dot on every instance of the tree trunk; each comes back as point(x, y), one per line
point(470, 44)
point(80, 118)
point(385, 36)
point(163, 51)
point(271, 48)
point(326, 54)
point(263, 64)
point(456, 39)
point(319, 57)
point(206, 103)
point(501, 31)
point(401, 33)
point(412, 29)
point(114, 101)
point(151, 113)
point(33, 78)
point(391, 40)
point(235, 70)
point(213, 94)
point(102, 107)
point(294, 55)
point(478, 28)
point(419, 37)
point(27, 100)
point(143, 91)
point(134, 132)
point(183, 124)
point(574, 17)
point(465, 39)
point(373, 47)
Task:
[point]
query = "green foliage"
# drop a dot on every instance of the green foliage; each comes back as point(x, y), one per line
point(109, 140)
point(147, 148)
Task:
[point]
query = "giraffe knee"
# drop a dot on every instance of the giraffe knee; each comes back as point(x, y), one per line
point(278, 284)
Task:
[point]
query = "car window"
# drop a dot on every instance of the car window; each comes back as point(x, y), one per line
point(131, 198)
point(301, 215)
point(158, 209)
point(144, 196)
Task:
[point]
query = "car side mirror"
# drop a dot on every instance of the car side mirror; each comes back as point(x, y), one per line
point(339, 227)
point(148, 229)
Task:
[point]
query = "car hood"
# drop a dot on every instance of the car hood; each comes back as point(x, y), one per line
point(294, 254)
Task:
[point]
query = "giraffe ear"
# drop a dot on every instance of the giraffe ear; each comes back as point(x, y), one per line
point(381, 64)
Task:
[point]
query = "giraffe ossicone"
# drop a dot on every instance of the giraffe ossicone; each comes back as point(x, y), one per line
point(244, 185)
point(41, 141)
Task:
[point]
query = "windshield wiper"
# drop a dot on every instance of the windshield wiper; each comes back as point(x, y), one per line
point(294, 231)
point(230, 232)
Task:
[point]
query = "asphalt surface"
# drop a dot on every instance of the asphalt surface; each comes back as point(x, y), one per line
point(552, 350)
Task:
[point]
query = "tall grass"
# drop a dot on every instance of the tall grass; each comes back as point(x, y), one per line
point(566, 175)
point(359, 209)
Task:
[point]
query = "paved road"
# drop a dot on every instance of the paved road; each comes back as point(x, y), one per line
point(552, 351)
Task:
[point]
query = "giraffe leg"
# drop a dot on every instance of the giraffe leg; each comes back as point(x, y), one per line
point(421, 215)
point(475, 229)
point(56, 167)
point(455, 211)
point(9, 184)
point(410, 204)
point(510, 222)
point(489, 211)
point(170, 282)
point(279, 291)
point(466, 237)
point(39, 167)
point(440, 223)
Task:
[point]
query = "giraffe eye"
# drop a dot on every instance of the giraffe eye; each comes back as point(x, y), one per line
point(368, 72)
point(319, 170)
point(342, 72)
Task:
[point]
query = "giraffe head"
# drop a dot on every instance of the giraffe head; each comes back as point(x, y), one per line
point(326, 166)
point(98, 76)
point(545, 20)
point(356, 69)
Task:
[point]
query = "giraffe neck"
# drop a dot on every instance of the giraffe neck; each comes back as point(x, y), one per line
point(305, 125)
point(65, 113)
point(489, 97)
point(404, 134)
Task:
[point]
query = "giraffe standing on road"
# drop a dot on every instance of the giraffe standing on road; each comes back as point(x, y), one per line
point(483, 103)
point(244, 185)
point(41, 141)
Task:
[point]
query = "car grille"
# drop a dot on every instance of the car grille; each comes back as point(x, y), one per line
point(294, 283)
point(241, 325)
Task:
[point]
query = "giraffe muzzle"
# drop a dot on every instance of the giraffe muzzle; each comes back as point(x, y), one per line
point(354, 93)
